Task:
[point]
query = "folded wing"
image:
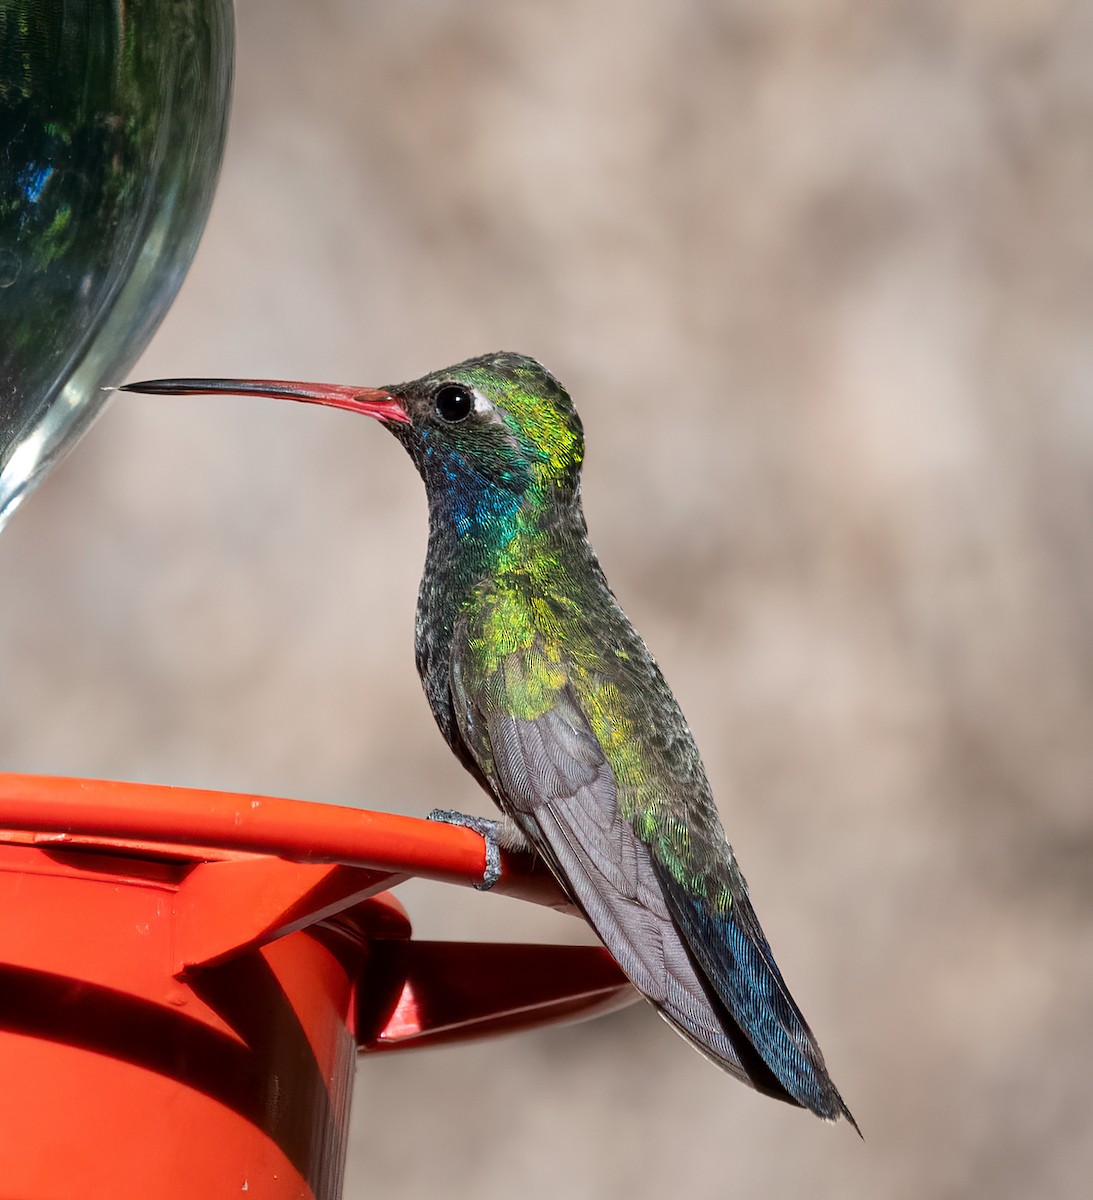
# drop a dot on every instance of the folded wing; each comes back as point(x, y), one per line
point(709, 975)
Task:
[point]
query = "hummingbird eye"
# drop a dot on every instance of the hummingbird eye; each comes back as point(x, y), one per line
point(453, 402)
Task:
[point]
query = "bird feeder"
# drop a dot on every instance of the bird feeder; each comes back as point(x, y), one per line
point(188, 979)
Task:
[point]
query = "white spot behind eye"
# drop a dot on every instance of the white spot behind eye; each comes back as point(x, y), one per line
point(481, 404)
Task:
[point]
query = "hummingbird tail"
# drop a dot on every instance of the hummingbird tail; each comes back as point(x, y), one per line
point(738, 966)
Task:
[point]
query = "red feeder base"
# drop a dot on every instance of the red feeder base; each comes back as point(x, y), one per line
point(186, 979)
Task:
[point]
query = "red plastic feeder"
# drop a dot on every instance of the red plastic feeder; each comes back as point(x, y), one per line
point(187, 977)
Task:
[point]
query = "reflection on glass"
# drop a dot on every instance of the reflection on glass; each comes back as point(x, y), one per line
point(112, 122)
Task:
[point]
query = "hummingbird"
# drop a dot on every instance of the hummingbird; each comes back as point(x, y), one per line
point(551, 700)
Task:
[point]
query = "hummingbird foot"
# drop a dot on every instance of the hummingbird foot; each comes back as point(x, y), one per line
point(496, 834)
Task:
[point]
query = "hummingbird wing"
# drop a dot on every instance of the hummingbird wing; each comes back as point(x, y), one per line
point(709, 976)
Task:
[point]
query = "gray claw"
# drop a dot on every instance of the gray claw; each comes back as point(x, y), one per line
point(487, 830)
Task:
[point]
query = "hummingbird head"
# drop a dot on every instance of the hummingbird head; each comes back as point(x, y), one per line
point(493, 436)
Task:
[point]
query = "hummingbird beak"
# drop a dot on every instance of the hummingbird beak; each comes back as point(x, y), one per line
point(373, 402)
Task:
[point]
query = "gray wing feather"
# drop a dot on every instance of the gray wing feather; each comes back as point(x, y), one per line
point(555, 781)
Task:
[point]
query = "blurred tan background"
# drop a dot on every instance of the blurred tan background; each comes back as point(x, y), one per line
point(820, 278)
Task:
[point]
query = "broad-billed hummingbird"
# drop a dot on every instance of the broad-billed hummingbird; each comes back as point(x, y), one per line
point(548, 696)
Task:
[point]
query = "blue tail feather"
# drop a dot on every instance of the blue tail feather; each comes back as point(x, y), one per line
point(736, 960)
